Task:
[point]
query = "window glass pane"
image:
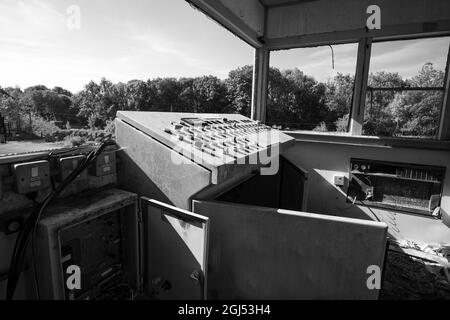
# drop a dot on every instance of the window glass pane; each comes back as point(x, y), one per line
point(309, 90)
point(405, 87)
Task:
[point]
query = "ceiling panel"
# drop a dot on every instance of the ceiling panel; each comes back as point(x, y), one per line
point(277, 3)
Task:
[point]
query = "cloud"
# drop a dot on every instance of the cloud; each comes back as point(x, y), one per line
point(405, 57)
point(29, 23)
point(178, 52)
point(408, 56)
point(317, 61)
point(118, 40)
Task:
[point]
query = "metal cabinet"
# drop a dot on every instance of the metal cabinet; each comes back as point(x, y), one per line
point(265, 253)
point(174, 252)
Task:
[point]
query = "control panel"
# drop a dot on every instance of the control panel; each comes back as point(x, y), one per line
point(220, 143)
point(407, 187)
point(221, 136)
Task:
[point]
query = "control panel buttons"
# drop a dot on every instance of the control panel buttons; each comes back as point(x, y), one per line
point(236, 138)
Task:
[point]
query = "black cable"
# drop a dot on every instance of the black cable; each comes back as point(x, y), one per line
point(332, 56)
point(31, 222)
point(52, 153)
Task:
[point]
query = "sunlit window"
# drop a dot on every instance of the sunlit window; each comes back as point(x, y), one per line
point(406, 87)
point(312, 88)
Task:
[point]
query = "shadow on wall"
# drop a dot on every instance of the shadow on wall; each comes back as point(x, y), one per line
point(346, 208)
point(405, 277)
point(132, 178)
point(325, 160)
point(401, 225)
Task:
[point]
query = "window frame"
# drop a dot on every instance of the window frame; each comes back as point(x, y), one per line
point(316, 45)
point(357, 110)
point(445, 88)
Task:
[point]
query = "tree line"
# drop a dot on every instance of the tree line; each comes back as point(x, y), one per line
point(295, 100)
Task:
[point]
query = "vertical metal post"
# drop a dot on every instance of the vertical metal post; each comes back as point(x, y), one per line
point(444, 124)
point(3, 132)
point(359, 95)
point(259, 87)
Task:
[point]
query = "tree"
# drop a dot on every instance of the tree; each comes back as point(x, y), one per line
point(62, 91)
point(309, 98)
point(416, 113)
point(210, 95)
point(168, 95)
point(138, 95)
point(338, 100)
point(378, 119)
point(295, 99)
point(52, 104)
point(187, 95)
point(10, 106)
point(89, 103)
point(239, 88)
point(280, 99)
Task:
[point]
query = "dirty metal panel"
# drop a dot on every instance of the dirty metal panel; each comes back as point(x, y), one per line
point(150, 169)
point(175, 250)
point(264, 253)
point(68, 217)
point(217, 142)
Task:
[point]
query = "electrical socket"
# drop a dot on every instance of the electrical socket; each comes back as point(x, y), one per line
point(32, 176)
point(339, 180)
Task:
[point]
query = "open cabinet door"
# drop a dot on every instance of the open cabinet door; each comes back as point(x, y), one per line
point(266, 253)
point(174, 252)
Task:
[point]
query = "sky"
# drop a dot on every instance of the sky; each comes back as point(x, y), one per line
point(120, 40)
point(405, 57)
point(124, 40)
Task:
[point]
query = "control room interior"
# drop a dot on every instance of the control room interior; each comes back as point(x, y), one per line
point(157, 215)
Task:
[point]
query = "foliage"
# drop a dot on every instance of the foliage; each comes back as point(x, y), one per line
point(322, 127)
point(295, 101)
point(49, 104)
point(74, 141)
point(338, 101)
point(341, 123)
point(404, 113)
point(42, 127)
point(239, 87)
point(377, 119)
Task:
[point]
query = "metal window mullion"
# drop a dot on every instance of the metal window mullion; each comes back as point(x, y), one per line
point(444, 123)
point(260, 84)
point(359, 94)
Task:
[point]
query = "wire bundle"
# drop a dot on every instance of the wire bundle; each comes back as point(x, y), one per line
point(28, 231)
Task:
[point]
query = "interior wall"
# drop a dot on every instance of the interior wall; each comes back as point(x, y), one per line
point(250, 11)
point(325, 160)
point(324, 16)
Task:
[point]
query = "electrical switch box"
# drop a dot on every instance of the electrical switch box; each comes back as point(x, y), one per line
point(32, 176)
point(413, 188)
point(68, 164)
point(104, 164)
point(96, 232)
